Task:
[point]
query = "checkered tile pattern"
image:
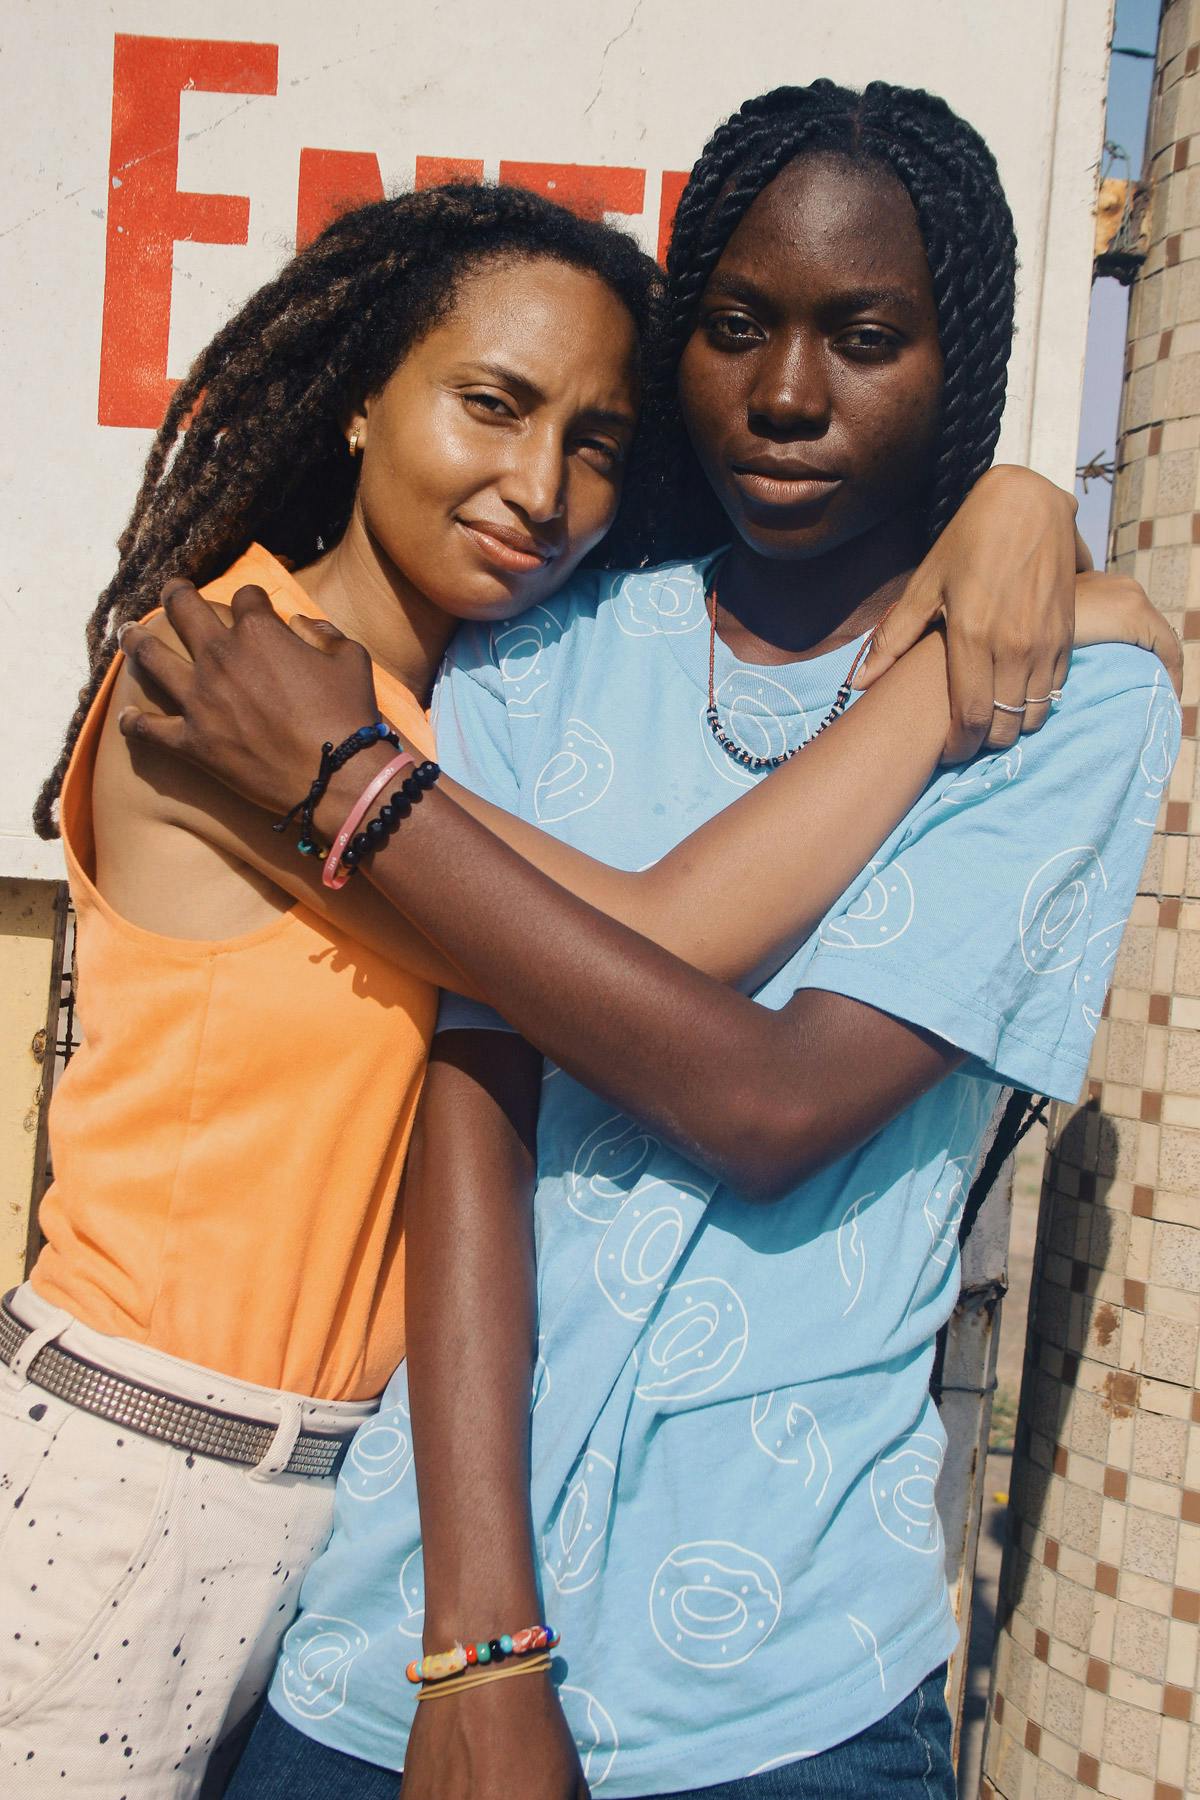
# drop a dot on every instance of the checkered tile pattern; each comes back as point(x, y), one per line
point(1094, 1686)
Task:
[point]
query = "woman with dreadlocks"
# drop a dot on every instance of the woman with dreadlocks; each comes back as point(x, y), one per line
point(746, 1210)
point(426, 416)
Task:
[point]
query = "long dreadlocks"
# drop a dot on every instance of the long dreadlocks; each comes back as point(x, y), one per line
point(252, 444)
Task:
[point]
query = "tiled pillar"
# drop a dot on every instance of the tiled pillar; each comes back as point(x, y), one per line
point(1097, 1653)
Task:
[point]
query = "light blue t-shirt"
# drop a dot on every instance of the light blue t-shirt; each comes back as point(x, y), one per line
point(734, 1448)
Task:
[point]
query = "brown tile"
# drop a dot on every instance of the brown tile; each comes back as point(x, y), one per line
point(1196, 528)
point(1191, 63)
point(1050, 1553)
point(1164, 345)
point(1033, 1737)
point(1178, 815)
point(1079, 1277)
point(1097, 1674)
point(1189, 1510)
point(1191, 623)
point(1151, 1108)
point(1163, 1789)
point(1087, 1185)
point(1159, 1013)
point(1173, 250)
point(1168, 910)
point(1087, 1771)
point(1185, 1605)
point(1060, 1459)
point(998, 1709)
point(1145, 537)
point(1143, 1197)
point(1155, 443)
point(1191, 718)
point(1121, 1389)
point(1196, 1408)
point(1070, 1368)
point(1041, 1645)
point(1095, 1088)
point(1177, 1702)
point(1107, 1576)
point(1135, 1300)
point(1116, 1482)
point(1182, 147)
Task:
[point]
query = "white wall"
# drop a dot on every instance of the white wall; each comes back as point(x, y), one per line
point(636, 83)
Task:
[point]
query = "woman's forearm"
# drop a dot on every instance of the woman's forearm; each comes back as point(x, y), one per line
point(715, 1075)
point(470, 1325)
point(823, 815)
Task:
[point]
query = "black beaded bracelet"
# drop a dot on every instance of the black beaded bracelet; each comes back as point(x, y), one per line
point(333, 758)
point(379, 829)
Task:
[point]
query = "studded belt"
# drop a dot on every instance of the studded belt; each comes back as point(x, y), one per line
point(204, 1430)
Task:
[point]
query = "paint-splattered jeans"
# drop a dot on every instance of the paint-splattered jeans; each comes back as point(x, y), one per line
point(143, 1592)
point(905, 1756)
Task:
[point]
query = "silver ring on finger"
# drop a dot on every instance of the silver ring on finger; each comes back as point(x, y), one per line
point(1001, 706)
point(1043, 699)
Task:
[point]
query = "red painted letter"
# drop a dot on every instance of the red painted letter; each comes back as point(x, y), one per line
point(147, 213)
point(435, 171)
point(591, 192)
point(673, 184)
point(331, 182)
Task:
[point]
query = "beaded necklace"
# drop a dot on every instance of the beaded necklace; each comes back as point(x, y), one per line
point(730, 745)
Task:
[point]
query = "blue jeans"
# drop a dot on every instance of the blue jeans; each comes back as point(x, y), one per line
point(906, 1756)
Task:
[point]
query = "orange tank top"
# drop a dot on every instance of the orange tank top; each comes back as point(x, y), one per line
point(228, 1140)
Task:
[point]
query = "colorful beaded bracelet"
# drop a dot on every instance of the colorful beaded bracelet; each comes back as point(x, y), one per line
point(443, 1663)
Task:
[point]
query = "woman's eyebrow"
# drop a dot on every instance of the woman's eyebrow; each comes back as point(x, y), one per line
point(617, 417)
point(864, 299)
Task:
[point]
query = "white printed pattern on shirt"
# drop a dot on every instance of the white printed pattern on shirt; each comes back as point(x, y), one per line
point(697, 1342)
point(984, 776)
point(870, 1643)
point(659, 605)
point(412, 1595)
point(608, 1165)
point(518, 647)
point(573, 1547)
point(635, 1256)
point(903, 1485)
point(852, 1251)
point(596, 1737)
point(714, 1603)
point(318, 1654)
point(379, 1458)
point(576, 777)
point(759, 714)
point(1156, 760)
point(882, 913)
point(788, 1432)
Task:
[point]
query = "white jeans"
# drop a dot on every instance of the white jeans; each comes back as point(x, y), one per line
point(143, 1590)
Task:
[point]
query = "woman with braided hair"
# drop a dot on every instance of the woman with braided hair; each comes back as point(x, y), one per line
point(746, 1210)
point(427, 417)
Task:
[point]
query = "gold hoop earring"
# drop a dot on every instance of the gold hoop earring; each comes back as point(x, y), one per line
point(353, 442)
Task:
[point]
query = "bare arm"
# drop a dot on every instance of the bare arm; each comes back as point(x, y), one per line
point(470, 1284)
point(824, 815)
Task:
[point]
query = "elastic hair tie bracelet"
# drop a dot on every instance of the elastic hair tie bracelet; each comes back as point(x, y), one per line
point(473, 1678)
point(351, 845)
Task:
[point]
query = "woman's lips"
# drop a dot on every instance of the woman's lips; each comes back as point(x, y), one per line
point(784, 490)
point(502, 553)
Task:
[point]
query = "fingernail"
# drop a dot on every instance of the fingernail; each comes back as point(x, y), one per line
point(122, 629)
